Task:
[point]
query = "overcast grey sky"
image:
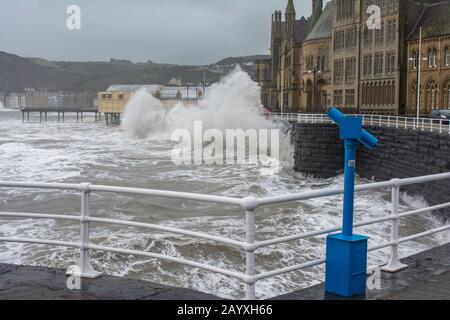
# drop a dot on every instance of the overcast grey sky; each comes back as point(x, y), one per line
point(172, 31)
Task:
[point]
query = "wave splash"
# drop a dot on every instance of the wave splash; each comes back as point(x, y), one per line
point(233, 103)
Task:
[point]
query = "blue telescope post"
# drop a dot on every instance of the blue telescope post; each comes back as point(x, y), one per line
point(346, 267)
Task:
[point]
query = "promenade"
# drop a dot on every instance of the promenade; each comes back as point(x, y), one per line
point(427, 278)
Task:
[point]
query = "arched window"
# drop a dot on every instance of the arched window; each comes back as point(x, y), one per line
point(431, 91)
point(430, 58)
point(413, 96)
point(414, 59)
point(445, 104)
point(434, 58)
point(447, 57)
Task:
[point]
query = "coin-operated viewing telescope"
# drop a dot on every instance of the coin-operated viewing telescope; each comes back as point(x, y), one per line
point(346, 267)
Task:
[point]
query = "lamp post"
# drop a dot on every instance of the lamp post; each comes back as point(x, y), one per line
point(418, 67)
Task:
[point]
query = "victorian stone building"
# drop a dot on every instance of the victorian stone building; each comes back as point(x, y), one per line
point(334, 58)
point(316, 74)
point(435, 61)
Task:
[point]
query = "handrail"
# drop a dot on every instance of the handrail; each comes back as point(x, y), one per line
point(422, 124)
point(250, 246)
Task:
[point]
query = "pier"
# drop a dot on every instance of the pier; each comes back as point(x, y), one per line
point(61, 113)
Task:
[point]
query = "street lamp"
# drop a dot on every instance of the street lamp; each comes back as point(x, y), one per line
point(314, 72)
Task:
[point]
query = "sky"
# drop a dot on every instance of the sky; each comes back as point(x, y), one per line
point(165, 31)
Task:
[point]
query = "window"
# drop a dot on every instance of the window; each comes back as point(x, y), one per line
point(391, 30)
point(447, 57)
point(415, 60)
point(446, 95)
point(350, 66)
point(350, 98)
point(432, 58)
point(368, 36)
point(390, 62)
point(351, 38)
point(338, 70)
point(431, 96)
point(367, 69)
point(339, 40)
point(345, 9)
point(337, 98)
point(379, 63)
point(379, 34)
point(309, 63)
point(121, 96)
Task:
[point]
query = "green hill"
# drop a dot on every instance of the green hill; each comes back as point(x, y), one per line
point(18, 73)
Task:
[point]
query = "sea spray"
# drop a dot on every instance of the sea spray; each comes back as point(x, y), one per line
point(233, 103)
point(144, 116)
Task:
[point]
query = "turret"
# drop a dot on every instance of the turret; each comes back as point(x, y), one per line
point(317, 8)
point(290, 20)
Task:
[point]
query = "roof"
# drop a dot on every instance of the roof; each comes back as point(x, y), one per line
point(301, 29)
point(323, 26)
point(434, 20)
point(164, 92)
point(132, 87)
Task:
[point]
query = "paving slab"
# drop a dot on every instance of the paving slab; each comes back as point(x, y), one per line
point(427, 278)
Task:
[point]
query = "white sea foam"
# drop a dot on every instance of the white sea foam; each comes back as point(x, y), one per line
point(233, 103)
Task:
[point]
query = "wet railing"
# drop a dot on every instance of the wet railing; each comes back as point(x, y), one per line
point(250, 245)
point(423, 124)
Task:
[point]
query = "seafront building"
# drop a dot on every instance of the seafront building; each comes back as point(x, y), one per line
point(32, 98)
point(333, 58)
point(116, 97)
point(435, 64)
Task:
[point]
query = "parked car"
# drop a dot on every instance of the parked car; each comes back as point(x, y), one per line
point(443, 114)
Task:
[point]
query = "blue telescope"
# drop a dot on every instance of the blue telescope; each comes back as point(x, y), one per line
point(346, 268)
point(349, 125)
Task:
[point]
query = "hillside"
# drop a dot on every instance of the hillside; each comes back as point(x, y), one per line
point(18, 73)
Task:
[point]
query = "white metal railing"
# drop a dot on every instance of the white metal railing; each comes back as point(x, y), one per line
point(423, 124)
point(250, 245)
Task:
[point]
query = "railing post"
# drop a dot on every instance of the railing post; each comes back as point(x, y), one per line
point(84, 263)
point(250, 204)
point(394, 264)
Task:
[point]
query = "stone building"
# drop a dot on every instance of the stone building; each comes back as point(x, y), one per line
point(285, 68)
point(435, 63)
point(116, 97)
point(262, 76)
point(316, 74)
point(334, 58)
